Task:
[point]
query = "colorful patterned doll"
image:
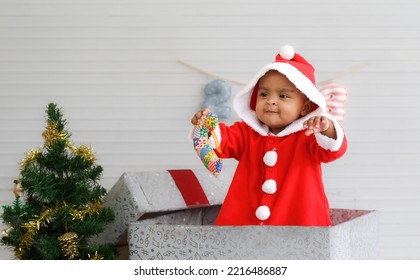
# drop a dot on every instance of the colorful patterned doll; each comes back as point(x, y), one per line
point(201, 134)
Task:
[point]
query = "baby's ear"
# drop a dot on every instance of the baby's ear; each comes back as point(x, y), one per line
point(307, 108)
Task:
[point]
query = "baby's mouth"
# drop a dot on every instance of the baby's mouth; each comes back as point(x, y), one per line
point(271, 111)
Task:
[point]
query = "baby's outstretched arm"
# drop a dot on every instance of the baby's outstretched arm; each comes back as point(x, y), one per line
point(198, 115)
point(320, 124)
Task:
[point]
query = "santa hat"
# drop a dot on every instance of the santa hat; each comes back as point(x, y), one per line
point(299, 71)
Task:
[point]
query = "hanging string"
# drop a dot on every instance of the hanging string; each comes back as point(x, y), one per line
point(347, 72)
point(341, 74)
point(199, 69)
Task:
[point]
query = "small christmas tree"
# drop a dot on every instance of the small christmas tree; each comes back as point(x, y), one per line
point(58, 203)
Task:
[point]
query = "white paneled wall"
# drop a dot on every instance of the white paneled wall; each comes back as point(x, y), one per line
point(112, 65)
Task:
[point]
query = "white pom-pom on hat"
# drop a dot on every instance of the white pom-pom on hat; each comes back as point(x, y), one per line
point(269, 186)
point(287, 52)
point(270, 158)
point(263, 213)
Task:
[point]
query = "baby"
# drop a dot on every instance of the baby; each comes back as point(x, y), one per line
point(280, 143)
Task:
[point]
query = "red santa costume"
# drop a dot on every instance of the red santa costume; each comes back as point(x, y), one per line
point(278, 180)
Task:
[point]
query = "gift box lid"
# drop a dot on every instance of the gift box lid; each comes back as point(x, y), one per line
point(136, 194)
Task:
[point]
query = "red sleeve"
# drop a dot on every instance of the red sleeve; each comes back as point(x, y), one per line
point(324, 155)
point(232, 140)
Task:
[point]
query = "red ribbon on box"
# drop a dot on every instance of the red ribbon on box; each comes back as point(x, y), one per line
point(189, 187)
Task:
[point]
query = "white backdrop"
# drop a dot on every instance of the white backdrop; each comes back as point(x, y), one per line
point(113, 66)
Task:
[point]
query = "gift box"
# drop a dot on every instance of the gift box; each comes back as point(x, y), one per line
point(353, 235)
point(170, 214)
point(151, 194)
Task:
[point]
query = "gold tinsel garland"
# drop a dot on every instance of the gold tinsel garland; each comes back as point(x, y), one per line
point(34, 225)
point(31, 156)
point(52, 134)
point(32, 228)
point(83, 151)
point(91, 209)
point(69, 245)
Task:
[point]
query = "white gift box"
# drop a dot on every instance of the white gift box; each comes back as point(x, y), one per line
point(141, 195)
point(353, 235)
point(170, 215)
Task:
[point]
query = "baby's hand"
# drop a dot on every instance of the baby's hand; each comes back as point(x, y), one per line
point(199, 115)
point(317, 124)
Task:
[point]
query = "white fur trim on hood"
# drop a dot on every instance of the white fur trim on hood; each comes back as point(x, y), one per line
point(241, 102)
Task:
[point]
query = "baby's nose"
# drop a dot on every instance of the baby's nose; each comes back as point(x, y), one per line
point(272, 101)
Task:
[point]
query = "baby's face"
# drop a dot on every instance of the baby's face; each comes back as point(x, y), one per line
point(279, 102)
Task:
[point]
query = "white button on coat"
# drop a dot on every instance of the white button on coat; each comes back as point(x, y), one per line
point(269, 186)
point(263, 213)
point(270, 158)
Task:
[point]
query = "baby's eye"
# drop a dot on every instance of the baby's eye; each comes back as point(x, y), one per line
point(263, 94)
point(283, 96)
